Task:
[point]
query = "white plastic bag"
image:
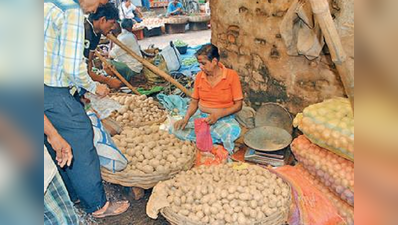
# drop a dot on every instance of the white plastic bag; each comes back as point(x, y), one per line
point(172, 57)
point(103, 106)
point(110, 156)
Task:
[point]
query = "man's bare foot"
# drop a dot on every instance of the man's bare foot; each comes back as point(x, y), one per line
point(112, 209)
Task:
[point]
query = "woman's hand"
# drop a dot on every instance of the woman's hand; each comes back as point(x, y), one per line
point(213, 118)
point(180, 124)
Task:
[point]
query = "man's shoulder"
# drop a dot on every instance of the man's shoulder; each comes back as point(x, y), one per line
point(64, 5)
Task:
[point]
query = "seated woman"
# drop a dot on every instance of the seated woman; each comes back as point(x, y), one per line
point(218, 96)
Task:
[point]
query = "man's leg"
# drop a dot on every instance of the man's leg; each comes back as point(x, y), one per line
point(58, 209)
point(69, 118)
point(146, 4)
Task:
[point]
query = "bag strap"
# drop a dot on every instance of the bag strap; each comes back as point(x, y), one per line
point(177, 54)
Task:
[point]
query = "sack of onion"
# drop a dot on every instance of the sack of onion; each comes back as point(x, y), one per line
point(329, 124)
point(345, 210)
point(333, 171)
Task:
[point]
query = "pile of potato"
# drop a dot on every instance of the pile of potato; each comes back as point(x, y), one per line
point(137, 110)
point(227, 194)
point(329, 124)
point(153, 151)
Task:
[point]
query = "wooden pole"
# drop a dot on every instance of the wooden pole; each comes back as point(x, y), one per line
point(149, 65)
point(118, 75)
point(325, 20)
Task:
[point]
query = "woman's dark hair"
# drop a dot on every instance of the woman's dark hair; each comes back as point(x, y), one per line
point(127, 23)
point(108, 10)
point(210, 51)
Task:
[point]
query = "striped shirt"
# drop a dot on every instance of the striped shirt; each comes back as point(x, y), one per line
point(64, 45)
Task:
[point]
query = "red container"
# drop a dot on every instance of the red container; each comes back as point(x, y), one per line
point(139, 33)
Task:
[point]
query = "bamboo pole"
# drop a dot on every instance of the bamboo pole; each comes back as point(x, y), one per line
point(322, 14)
point(149, 65)
point(118, 75)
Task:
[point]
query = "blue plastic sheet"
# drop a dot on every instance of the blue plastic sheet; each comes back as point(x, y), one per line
point(192, 70)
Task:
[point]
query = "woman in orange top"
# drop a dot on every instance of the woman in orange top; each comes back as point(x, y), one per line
point(218, 96)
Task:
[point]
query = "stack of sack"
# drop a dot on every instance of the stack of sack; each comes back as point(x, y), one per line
point(325, 151)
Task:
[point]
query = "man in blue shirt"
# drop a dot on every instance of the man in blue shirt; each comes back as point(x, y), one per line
point(174, 8)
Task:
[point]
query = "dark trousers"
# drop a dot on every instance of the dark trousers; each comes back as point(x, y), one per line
point(83, 178)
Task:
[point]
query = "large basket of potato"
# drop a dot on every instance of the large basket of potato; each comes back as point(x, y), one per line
point(153, 155)
point(176, 20)
point(232, 193)
point(138, 111)
point(199, 18)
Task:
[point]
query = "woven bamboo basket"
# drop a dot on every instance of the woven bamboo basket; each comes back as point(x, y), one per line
point(278, 218)
point(143, 181)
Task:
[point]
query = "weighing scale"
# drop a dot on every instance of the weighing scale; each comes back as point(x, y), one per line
point(268, 143)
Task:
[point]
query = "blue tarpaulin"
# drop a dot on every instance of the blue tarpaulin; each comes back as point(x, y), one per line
point(191, 70)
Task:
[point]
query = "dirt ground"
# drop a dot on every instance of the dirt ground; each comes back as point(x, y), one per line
point(135, 215)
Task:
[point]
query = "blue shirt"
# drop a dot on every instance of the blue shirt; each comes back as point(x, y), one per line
point(173, 7)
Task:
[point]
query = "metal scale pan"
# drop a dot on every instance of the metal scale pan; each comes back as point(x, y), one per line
point(267, 138)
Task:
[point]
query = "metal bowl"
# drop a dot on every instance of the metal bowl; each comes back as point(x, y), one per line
point(267, 138)
point(274, 115)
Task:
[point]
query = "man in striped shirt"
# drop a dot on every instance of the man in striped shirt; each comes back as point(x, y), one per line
point(65, 73)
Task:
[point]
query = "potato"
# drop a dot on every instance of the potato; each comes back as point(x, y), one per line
point(177, 201)
point(224, 194)
point(253, 204)
point(232, 189)
point(171, 158)
point(184, 212)
point(154, 163)
point(151, 144)
point(123, 144)
point(119, 118)
point(244, 196)
point(148, 169)
point(228, 218)
point(241, 219)
point(213, 210)
point(206, 209)
point(141, 158)
point(246, 211)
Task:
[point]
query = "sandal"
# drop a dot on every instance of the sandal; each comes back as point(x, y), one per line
point(112, 209)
